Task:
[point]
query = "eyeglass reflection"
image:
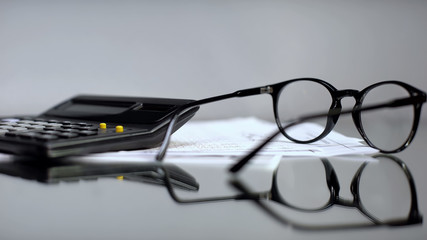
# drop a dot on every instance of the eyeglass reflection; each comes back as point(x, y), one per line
point(305, 192)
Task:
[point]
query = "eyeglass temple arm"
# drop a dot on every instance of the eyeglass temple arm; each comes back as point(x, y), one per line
point(178, 112)
point(417, 99)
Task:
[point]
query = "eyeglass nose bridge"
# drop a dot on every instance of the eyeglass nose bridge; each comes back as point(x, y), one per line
point(345, 202)
point(340, 94)
point(346, 93)
point(336, 104)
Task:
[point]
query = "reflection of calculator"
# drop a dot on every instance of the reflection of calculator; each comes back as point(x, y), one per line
point(91, 124)
point(70, 170)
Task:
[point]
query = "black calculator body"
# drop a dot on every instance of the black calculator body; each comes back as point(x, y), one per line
point(91, 124)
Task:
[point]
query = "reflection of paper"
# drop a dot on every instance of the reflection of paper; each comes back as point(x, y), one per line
point(235, 137)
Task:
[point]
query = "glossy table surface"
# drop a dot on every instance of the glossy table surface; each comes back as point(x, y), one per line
point(107, 207)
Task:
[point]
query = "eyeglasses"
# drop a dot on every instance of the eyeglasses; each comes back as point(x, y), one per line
point(370, 188)
point(382, 189)
point(396, 102)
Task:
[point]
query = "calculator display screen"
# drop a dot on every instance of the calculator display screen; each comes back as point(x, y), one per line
point(89, 108)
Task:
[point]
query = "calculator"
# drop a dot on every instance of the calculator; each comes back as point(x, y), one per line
point(91, 124)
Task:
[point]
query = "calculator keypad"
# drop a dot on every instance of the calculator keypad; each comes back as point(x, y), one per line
point(45, 129)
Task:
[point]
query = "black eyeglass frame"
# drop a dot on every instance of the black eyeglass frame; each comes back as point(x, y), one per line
point(335, 108)
point(414, 216)
point(416, 98)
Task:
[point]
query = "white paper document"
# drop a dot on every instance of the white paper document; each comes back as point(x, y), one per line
point(235, 137)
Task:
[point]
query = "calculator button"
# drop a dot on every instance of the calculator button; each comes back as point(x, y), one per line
point(24, 125)
point(67, 135)
point(53, 125)
point(7, 127)
point(53, 121)
point(71, 126)
point(26, 122)
point(46, 137)
point(119, 129)
point(10, 119)
point(83, 124)
point(50, 129)
point(68, 130)
point(51, 132)
point(87, 133)
point(27, 134)
point(18, 129)
point(31, 127)
point(7, 123)
point(88, 128)
point(42, 123)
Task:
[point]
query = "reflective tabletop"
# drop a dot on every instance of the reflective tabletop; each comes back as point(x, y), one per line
point(341, 197)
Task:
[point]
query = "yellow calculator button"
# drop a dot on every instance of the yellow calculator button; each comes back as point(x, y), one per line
point(119, 129)
point(103, 126)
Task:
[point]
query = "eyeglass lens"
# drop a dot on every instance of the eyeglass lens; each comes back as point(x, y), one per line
point(301, 98)
point(384, 191)
point(387, 128)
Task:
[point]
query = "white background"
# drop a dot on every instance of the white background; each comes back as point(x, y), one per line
point(53, 50)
